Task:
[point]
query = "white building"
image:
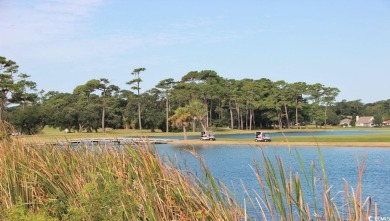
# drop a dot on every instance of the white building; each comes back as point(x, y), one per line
point(365, 121)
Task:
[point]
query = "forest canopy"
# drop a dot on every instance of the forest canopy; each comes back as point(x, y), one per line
point(207, 99)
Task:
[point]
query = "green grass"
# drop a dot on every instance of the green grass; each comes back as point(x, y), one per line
point(336, 138)
point(52, 134)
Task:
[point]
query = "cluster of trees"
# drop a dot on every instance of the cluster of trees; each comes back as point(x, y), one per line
point(200, 99)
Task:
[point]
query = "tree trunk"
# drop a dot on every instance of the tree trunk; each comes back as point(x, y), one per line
point(124, 120)
point(326, 109)
point(231, 115)
point(287, 118)
point(280, 119)
point(193, 125)
point(209, 121)
point(250, 119)
point(296, 114)
point(220, 111)
point(167, 115)
point(254, 119)
point(139, 116)
point(242, 121)
point(204, 127)
point(185, 133)
point(238, 116)
point(103, 114)
point(246, 119)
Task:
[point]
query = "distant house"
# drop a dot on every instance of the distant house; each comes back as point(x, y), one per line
point(346, 122)
point(365, 121)
point(386, 123)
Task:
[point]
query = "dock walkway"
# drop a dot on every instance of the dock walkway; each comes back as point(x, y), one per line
point(114, 141)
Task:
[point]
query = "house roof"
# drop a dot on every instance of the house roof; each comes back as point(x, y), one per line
point(365, 120)
point(345, 121)
point(386, 121)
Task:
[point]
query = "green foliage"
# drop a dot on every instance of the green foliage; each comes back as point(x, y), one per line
point(198, 111)
point(166, 85)
point(28, 120)
point(378, 120)
point(18, 212)
point(182, 118)
point(136, 86)
point(333, 118)
point(24, 92)
point(115, 115)
point(97, 201)
point(241, 104)
point(10, 85)
point(61, 110)
point(152, 107)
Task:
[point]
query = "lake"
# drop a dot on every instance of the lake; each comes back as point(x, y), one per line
point(232, 164)
point(304, 133)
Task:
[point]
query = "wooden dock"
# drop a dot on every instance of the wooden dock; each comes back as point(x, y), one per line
point(113, 141)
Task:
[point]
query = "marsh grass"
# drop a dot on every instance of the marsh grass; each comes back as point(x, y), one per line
point(103, 183)
point(48, 182)
point(305, 194)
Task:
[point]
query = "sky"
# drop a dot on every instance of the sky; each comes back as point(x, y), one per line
point(65, 43)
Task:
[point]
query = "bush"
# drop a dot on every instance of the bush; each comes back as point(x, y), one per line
point(28, 120)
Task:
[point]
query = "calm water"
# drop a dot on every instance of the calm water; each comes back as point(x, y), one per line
point(304, 133)
point(231, 164)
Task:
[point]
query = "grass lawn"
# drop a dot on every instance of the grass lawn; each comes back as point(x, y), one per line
point(52, 134)
point(337, 138)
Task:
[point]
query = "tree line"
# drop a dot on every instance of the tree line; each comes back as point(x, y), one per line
point(199, 100)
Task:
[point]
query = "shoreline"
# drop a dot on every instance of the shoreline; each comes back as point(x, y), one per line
point(321, 144)
point(383, 144)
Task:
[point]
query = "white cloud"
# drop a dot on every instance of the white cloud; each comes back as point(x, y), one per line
point(31, 23)
point(57, 31)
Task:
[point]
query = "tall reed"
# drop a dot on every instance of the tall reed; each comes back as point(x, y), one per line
point(103, 183)
point(305, 195)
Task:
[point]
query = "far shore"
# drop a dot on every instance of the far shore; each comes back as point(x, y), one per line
point(253, 143)
point(52, 135)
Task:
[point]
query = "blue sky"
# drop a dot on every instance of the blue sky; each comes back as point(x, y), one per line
point(65, 43)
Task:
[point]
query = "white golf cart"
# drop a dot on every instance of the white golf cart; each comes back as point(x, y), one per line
point(207, 136)
point(262, 137)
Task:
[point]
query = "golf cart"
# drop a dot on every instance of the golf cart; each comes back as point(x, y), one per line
point(262, 137)
point(205, 136)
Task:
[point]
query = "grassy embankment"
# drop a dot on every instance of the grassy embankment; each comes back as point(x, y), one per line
point(381, 139)
point(133, 183)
